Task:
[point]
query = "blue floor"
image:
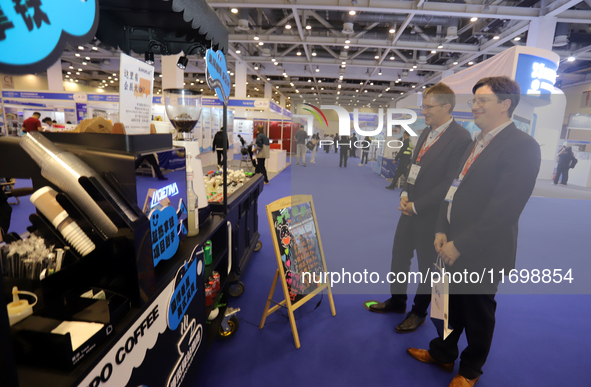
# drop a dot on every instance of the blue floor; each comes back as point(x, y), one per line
point(540, 339)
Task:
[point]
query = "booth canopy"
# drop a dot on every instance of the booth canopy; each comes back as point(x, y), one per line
point(130, 25)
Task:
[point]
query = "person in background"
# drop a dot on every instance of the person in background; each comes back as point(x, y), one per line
point(352, 152)
point(565, 158)
point(403, 155)
point(263, 152)
point(315, 139)
point(242, 141)
point(32, 124)
point(47, 121)
point(477, 226)
point(218, 145)
point(344, 144)
point(365, 150)
point(336, 143)
point(327, 145)
point(300, 137)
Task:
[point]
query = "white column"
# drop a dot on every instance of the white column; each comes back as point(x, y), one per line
point(282, 100)
point(268, 90)
point(172, 76)
point(240, 79)
point(541, 32)
point(55, 80)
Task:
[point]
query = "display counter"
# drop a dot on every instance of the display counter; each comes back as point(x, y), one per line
point(276, 161)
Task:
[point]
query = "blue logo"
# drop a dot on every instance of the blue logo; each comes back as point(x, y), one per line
point(217, 75)
point(44, 27)
point(185, 289)
point(164, 228)
point(163, 193)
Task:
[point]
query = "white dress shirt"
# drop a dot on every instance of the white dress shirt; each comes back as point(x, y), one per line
point(432, 136)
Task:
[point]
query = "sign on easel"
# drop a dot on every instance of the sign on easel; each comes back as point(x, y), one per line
point(300, 257)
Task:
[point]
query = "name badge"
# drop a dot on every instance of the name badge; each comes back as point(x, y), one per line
point(452, 190)
point(414, 172)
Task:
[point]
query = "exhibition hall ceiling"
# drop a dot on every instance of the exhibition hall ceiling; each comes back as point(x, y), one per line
point(362, 53)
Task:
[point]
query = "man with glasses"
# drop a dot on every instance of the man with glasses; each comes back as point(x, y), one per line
point(477, 225)
point(439, 149)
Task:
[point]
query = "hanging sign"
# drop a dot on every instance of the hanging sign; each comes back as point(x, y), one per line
point(33, 34)
point(217, 76)
point(135, 90)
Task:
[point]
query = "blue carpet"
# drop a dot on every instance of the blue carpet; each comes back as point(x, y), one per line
point(540, 340)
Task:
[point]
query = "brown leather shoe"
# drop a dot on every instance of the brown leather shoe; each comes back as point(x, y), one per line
point(460, 381)
point(423, 355)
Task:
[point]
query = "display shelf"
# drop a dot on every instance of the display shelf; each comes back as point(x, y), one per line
point(216, 259)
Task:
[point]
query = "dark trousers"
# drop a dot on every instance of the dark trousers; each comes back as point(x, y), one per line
point(475, 314)
point(561, 169)
point(364, 157)
point(401, 170)
point(326, 148)
point(260, 168)
point(5, 212)
point(344, 156)
point(408, 238)
point(352, 151)
point(220, 154)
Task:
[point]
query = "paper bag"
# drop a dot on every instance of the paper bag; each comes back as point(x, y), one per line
point(440, 301)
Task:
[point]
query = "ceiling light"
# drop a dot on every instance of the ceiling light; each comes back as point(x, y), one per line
point(411, 69)
point(338, 92)
point(76, 54)
point(424, 87)
point(496, 37)
point(201, 81)
point(268, 79)
point(81, 47)
point(571, 59)
point(401, 93)
point(322, 88)
point(317, 70)
point(231, 74)
point(261, 43)
point(299, 53)
point(76, 80)
point(347, 41)
point(346, 47)
point(414, 66)
point(309, 80)
point(256, 67)
point(455, 63)
point(470, 63)
point(433, 51)
point(258, 78)
point(192, 84)
point(387, 88)
point(312, 88)
point(352, 13)
point(273, 59)
point(517, 38)
point(87, 58)
point(112, 81)
point(413, 86)
point(248, 96)
point(376, 57)
point(71, 67)
point(288, 26)
point(84, 63)
point(238, 51)
point(320, 81)
point(116, 79)
point(275, 63)
point(308, 27)
point(313, 53)
point(473, 19)
point(94, 48)
point(392, 30)
point(149, 57)
point(361, 83)
point(108, 77)
point(67, 76)
point(365, 91)
point(77, 73)
point(380, 72)
point(256, 37)
point(357, 91)
point(392, 58)
point(371, 84)
point(343, 66)
point(69, 72)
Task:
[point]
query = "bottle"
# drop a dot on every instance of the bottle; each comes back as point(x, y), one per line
point(192, 202)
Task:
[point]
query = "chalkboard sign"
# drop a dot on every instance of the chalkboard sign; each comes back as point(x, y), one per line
point(296, 233)
point(299, 253)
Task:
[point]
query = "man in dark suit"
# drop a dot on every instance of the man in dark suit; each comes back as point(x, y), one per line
point(477, 225)
point(403, 157)
point(437, 155)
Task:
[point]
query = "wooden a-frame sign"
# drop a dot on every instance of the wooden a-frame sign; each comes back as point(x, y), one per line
point(284, 244)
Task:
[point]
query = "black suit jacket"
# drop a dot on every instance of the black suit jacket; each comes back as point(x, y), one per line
point(438, 166)
point(487, 204)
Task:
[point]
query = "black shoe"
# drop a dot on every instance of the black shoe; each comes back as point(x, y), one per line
point(390, 187)
point(410, 323)
point(387, 307)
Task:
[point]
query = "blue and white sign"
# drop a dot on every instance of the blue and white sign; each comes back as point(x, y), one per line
point(216, 74)
point(535, 75)
point(81, 111)
point(276, 108)
point(34, 33)
point(36, 95)
point(287, 113)
point(211, 102)
point(157, 100)
point(103, 97)
point(163, 231)
point(163, 193)
point(186, 287)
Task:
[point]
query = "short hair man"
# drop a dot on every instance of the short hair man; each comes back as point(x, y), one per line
point(32, 124)
point(477, 224)
point(436, 157)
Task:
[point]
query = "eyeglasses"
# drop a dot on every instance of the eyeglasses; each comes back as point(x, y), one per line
point(479, 102)
point(429, 107)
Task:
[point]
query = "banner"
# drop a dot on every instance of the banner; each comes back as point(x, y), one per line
point(135, 90)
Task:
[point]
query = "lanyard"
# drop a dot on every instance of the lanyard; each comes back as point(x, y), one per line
point(473, 157)
point(425, 149)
